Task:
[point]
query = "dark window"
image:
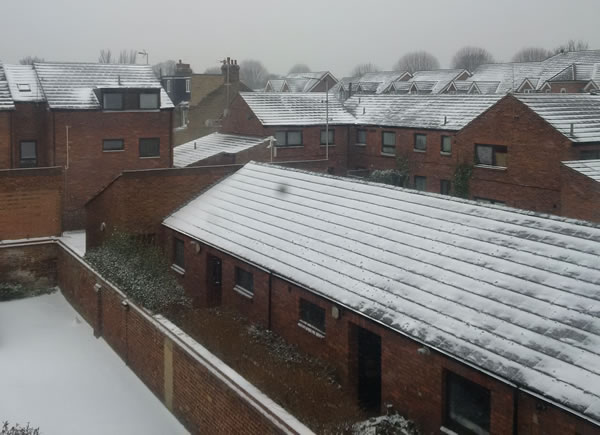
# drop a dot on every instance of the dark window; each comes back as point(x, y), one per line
point(313, 315)
point(490, 155)
point(331, 137)
point(488, 200)
point(150, 147)
point(445, 187)
point(467, 406)
point(388, 142)
point(113, 145)
point(113, 101)
point(288, 138)
point(28, 154)
point(446, 144)
point(589, 155)
point(420, 142)
point(244, 279)
point(149, 100)
point(420, 182)
point(361, 136)
point(178, 253)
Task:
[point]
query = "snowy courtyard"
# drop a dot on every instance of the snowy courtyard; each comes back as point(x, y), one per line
point(58, 377)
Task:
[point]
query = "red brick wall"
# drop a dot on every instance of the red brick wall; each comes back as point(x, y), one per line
point(30, 202)
point(137, 201)
point(5, 141)
point(571, 87)
point(579, 196)
point(535, 150)
point(90, 168)
point(412, 382)
point(30, 122)
point(33, 265)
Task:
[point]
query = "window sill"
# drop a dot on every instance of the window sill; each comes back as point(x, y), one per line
point(178, 269)
point(442, 153)
point(327, 146)
point(360, 144)
point(447, 431)
point(150, 157)
point(244, 292)
point(282, 147)
point(419, 151)
point(496, 168)
point(113, 151)
point(388, 154)
point(310, 328)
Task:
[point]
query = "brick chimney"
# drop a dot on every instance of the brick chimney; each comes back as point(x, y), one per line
point(183, 69)
point(232, 66)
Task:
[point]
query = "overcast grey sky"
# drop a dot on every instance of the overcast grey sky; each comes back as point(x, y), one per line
point(325, 34)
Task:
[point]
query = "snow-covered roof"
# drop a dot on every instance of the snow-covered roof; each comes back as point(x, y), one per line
point(289, 108)
point(207, 146)
point(438, 111)
point(559, 62)
point(509, 76)
point(582, 111)
point(589, 168)
point(6, 101)
point(71, 85)
point(436, 80)
point(510, 292)
point(23, 83)
point(306, 82)
point(275, 85)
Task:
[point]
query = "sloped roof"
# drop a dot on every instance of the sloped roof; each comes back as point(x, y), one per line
point(560, 61)
point(71, 85)
point(509, 76)
point(562, 110)
point(276, 85)
point(208, 146)
point(305, 82)
point(23, 83)
point(509, 292)
point(6, 101)
point(379, 81)
point(438, 111)
point(440, 77)
point(589, 168)
point(289, 108)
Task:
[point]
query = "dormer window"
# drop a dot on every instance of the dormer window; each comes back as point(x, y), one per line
point(149, 101)
point(113, 101)
point(23, 87)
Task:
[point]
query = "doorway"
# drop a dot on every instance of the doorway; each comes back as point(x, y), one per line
point(369, 370)
point(213, 280)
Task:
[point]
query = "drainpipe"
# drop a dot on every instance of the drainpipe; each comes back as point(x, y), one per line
point(269, 305)
point(12, 144)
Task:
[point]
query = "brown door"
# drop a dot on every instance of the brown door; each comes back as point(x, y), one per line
point(214, 277)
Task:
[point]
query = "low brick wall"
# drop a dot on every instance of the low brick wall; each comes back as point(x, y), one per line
point(30, 203)
point(200, 390)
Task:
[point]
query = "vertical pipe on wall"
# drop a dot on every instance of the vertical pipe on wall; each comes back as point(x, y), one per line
point(269, 302)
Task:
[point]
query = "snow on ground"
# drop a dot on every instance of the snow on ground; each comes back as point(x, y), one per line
point(75, 240)
point(57, 376)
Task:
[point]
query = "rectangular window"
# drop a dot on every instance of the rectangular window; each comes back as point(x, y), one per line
point(420, 182)
point(445, 187)
point(288, 138)
point(420, 142)
point(361, 136)
point(149, 100)
point(446, 145)
point(490, 155)
point(28, 154)
point(150, 147)
point(467, 406)
point(178, 253)
point(113, 101)
point(244, 280)
point(331, 137)
point(388, 142)
point(187, 85)
point(312, 315)
point(589, 154)
point(113, 145)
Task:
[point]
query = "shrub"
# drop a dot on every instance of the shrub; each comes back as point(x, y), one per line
point(18, 430)
point(140, 270)
point(388, 176)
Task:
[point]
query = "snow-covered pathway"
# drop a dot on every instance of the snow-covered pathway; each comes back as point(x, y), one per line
point(57, 376)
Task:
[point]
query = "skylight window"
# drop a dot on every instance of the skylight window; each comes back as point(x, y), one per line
point(24, 87)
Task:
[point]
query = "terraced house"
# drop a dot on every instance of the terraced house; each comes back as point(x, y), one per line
point(91, 120)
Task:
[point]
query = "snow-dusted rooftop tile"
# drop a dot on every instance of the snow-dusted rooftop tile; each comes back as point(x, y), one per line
point(289, 108)
point(6, 101)
point(510, 292)
point(582, 111)
point(71, 85)
point(23, 83)
point(589, 168)
point(207, 146)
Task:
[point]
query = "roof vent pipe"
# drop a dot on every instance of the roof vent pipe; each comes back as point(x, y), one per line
point(445, 119)
point(572, 130)
point(195, 145)
point(364, 110)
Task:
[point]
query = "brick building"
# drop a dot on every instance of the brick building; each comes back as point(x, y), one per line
point(580, 189)
point(464, 317)
point(94, 120)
